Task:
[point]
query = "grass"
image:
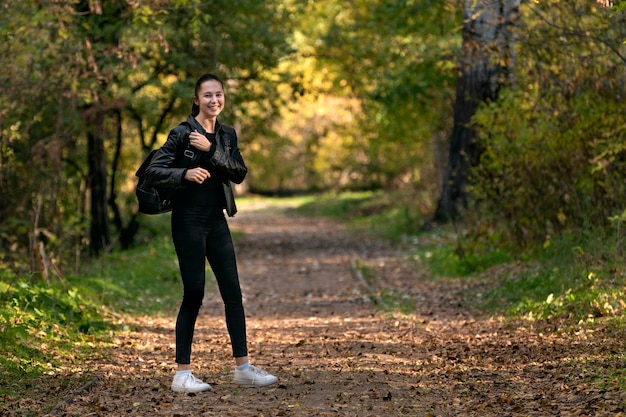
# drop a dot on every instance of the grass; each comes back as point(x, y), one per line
point(142, 280)
point(563, 281)
point(46, 326)
point(386, 215)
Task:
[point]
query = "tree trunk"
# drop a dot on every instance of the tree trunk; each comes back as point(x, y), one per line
point(99, 230)
point(486, 62)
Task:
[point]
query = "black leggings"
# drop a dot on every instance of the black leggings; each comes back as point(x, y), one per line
point(200, 232)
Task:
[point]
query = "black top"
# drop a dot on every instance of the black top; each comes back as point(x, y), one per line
point(209, 193)
point(223, 161)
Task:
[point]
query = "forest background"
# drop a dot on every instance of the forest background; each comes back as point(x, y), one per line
point(504, 119)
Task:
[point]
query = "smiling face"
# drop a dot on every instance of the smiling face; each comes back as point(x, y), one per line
point(210, 99)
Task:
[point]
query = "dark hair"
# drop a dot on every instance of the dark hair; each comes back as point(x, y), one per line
point(206, 77)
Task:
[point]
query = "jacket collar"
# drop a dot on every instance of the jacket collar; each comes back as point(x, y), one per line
point(195, 125)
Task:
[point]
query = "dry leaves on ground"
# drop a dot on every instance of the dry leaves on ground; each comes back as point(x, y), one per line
point(310, 323)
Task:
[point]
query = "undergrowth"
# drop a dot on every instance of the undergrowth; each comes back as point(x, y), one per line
point(47, 326)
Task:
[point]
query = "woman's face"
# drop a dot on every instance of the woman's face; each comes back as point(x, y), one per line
point(210, 99)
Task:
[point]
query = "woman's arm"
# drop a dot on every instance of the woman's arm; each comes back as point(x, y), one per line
point(162, 171)
point(226, 158)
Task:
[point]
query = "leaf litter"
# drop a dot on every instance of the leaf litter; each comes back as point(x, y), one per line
point(312, 321)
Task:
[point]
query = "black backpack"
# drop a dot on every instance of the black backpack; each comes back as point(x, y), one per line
point(156, 200)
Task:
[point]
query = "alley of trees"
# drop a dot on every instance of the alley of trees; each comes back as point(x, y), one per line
point(506, 112)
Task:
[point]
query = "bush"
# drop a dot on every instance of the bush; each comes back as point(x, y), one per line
point(542, 175)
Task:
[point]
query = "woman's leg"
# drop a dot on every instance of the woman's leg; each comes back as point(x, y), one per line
point(189, 240)
point(221, 255)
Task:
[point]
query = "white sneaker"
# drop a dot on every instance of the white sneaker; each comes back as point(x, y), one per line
point(188, 383)
point(253, 377)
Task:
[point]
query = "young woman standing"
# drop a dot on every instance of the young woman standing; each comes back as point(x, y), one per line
point(200, 230)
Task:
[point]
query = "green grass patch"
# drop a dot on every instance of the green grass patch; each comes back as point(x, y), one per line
point(567, 280)
point(336, 205)
point(447, 261)
point(48, 325)
point(144, 280)
point(386, 215)
point(573, 278)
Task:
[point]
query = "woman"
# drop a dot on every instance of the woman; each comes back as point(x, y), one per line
point(199, 228)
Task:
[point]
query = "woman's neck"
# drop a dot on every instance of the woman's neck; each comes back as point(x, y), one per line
point(207, 124)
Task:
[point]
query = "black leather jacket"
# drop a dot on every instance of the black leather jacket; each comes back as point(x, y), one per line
point(169, 165)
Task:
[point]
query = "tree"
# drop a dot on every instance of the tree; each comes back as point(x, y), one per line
point(375, 86)
point(35, 109)
point(153, 81)
point(99, 28)
point(83, 79)
point(485, 65)
point(554, 159)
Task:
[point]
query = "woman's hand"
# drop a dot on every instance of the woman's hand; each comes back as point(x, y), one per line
point(199, 141)
point(197, 174)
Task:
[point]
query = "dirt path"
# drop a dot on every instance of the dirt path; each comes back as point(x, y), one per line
point(335, 355)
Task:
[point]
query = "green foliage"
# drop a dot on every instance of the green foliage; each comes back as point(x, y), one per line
point(126, 72)
point(45, 325)
point(324, 97)
point(554, 145)
point(540, 178)
point(370, 85)
point(34, 109)
point(576, 282)
point(554, 176)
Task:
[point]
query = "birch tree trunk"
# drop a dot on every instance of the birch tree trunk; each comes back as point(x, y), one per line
point(485, 66)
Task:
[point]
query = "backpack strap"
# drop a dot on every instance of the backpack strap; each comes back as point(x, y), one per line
point(188, 153)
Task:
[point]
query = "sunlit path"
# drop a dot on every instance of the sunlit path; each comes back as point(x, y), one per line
point(312, 324)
